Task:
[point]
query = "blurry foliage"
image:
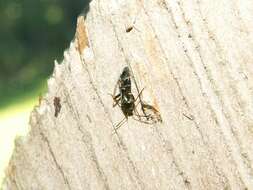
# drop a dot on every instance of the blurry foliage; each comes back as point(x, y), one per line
point(32, 34)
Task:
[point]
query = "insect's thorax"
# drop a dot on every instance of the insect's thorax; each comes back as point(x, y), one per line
point(125, 85)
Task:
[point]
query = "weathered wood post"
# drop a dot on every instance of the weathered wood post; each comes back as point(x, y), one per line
point(194, 59)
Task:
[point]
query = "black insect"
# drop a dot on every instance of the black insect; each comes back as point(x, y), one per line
point(128, 103)
point(57, 106)
point(125, 99)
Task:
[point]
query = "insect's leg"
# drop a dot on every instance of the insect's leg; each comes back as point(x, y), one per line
point(142, 104)
point(147, 106)
point(136, 112)
point(120, 124)
point(140, 101)
point(137, 103)
point(115, 88)
point(139, 95)
point(146, 122)
point(141, 116)
point(116, 100)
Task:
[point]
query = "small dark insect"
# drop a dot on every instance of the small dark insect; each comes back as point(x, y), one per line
point(57, 106)
point(129, 29)
point(132, 26)
point(125, 99)
point(128, 103)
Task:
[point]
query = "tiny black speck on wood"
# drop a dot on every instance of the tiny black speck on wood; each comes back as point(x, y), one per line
point(129, 29)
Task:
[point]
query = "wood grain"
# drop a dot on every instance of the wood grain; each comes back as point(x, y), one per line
point(194, 59)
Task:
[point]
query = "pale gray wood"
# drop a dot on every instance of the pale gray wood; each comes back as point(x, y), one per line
point(194, 59)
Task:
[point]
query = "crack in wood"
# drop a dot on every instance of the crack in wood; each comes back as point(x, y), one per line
point(65, 179)
point(87, 141)
point(184, 98)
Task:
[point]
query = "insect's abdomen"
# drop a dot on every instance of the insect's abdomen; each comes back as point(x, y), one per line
point(127, 104)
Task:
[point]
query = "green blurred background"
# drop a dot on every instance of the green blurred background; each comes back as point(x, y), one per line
point(33, 33)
